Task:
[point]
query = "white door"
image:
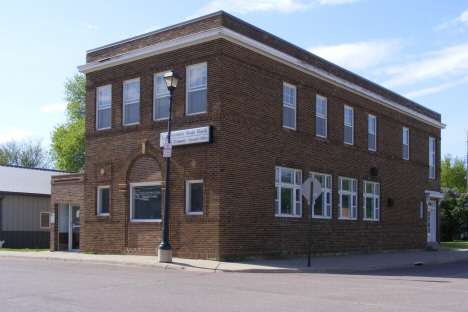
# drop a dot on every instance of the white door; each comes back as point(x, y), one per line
point(68, 227)
point(431, 221)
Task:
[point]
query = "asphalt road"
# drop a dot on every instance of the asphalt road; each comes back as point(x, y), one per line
point(36, 285)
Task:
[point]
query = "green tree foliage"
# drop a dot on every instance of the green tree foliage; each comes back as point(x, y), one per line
point(26, 153)
point(68, 140)
point(454, 219)
point(453, 173)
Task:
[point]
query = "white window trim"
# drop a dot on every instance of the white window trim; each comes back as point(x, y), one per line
point(97, 106)
point(99, 208)
point(155, 96)
point(324, 117)
point(132, 185)
point(352, 124)
point(403, 142)
point(123, 102)
point(432, 154)
point(375, 132)
point(374, 197)
point(40, 219)
point(352, 193)
point(187, 198)
point(187, 70)
point(324, 190)
point(295, 187)
point(294, 105)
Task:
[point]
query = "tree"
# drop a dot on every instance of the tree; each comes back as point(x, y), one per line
point(453, 173)
point(68, 142)
point(454, 218)
point(26, 153)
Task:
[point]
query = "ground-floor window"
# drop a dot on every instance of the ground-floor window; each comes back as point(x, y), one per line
point(371, 200)
point(288, 201)
point(322, 207)
point(194, 197)
point(347, 198)
point(145, 201)
point(103, 200)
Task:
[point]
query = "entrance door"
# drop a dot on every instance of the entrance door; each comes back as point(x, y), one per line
point(431, 221)
point(69, 227)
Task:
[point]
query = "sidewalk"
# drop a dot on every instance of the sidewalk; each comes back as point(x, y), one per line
point(335, 264)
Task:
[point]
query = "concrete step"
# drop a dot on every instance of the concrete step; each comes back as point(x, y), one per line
point(435, 247)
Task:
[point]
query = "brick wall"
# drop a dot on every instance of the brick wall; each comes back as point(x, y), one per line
point(245, 109)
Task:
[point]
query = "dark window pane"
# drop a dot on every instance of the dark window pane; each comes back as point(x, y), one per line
point(320, 126)
point(288, 117)
point(196, 197)
point(369, 208)
point(104, 118)
point(132, 113)
point(348, 134)
point(345, 206)
point(286, 200)
point(104, 200)
point(147, 202)
point(318, 208)
point(161, 108)
point(197, 102)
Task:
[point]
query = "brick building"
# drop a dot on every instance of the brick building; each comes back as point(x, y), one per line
point(269, 115)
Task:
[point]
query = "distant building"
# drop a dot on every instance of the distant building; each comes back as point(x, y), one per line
point(25, 206)
point(253, 117)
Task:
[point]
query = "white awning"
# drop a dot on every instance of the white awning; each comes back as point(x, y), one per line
point(434, 195)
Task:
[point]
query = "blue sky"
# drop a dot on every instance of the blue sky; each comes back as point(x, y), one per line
point(417, 48)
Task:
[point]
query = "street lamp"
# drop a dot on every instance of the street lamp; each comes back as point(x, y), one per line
point(165, 250)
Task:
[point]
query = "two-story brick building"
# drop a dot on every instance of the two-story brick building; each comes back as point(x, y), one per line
point(269, 115)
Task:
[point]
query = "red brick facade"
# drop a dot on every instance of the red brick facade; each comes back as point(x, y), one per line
point(245, 108)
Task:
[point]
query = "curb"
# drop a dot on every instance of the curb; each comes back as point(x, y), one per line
point(178, 266)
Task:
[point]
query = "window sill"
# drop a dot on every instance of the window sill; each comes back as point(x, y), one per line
point(194, 213)
point(289, 128)
point(103, 129)
point(132, 124)
point(193, 114)
point(349, 219)
point(145, 221)
point(102, 215)
point(287, 216)
point(320, 217)
point(372, 220)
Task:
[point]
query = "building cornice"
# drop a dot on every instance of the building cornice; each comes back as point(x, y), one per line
point(249, 43)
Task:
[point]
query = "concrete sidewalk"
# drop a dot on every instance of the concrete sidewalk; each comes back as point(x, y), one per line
point(334, 264)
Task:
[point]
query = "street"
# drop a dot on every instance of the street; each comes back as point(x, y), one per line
point(36, 285)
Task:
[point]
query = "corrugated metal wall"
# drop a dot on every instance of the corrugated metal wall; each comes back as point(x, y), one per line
point(23, 212)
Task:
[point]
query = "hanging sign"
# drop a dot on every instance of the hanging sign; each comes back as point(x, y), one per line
point(52, 217)
point(188, 136)
point(167, 150)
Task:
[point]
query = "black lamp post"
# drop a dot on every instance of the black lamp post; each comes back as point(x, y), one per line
point(165, 250)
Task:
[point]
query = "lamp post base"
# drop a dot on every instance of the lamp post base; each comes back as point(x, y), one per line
point(165, 255)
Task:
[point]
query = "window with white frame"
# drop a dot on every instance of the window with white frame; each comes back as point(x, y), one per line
point(348, 125)
point(323, 203)
point(145, 201)
point(372, 133)
point(288, 201)
point(289, 106)
point(347, 198)
point(196, 89)
point(45, 220)
point(321, 116)
point(194, 200)
point(432, 157)
point(371, 200)
point(131, 102)
point(103, 200)
point(161, 98)
point(103, 107)
point(405, 143)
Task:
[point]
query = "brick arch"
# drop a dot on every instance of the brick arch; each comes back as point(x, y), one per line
point(150, 152)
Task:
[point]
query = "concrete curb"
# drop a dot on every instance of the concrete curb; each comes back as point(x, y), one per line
point(188, 267)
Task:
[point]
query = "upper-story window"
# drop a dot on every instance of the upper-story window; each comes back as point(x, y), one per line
point(372, 133)
point(289, 106)
point(103, 107)
point(161, 98)
point(196, 89)
point(323, 203)
point(347, 198)
point(405, 143)
point(348, 125)
point(288, 201)
point(321, 116)
point(371, 200)
point(432, 157)
point(131, 102)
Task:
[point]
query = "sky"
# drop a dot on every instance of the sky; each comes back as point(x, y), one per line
point(416, 48)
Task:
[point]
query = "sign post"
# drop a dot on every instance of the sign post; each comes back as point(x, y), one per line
point(311, 189)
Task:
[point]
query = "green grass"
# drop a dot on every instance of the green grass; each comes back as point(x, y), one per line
point(458, 244)
point(23, 249)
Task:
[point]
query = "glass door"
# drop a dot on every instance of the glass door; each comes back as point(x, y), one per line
point(68, 227)
point(75, 228)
